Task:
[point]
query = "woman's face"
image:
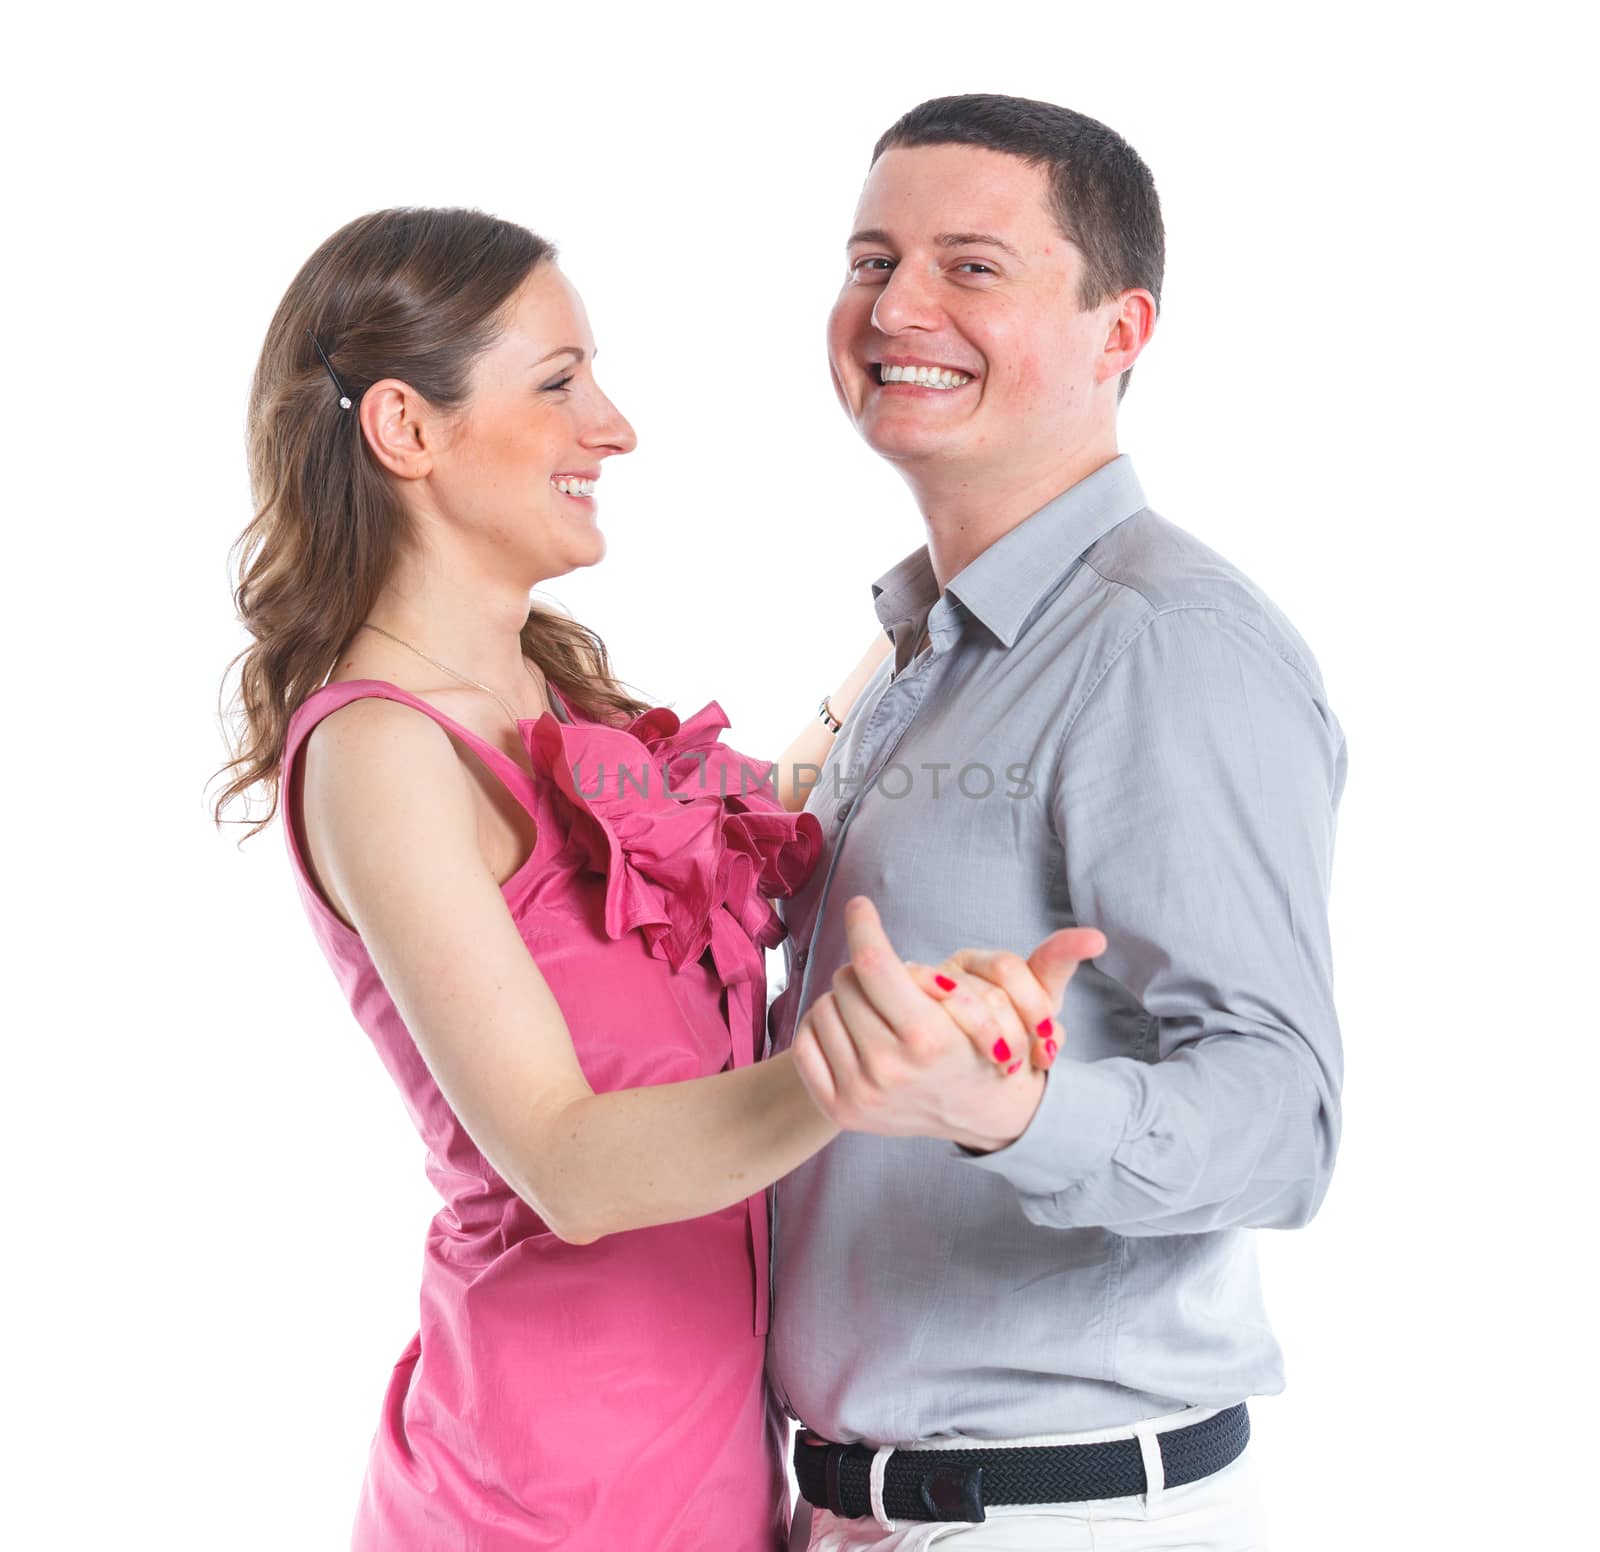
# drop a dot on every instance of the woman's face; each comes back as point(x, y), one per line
point(517, 469)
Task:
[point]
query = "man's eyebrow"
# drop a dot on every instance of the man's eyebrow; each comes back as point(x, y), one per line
point(876, 234)
point(966, 239)
point(565, 350)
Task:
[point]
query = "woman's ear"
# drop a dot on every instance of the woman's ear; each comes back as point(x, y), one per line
point(399, 425)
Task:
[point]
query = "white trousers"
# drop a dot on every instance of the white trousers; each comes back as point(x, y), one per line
point(1219, 1513)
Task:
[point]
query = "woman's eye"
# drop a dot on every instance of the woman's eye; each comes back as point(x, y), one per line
point(558, 384)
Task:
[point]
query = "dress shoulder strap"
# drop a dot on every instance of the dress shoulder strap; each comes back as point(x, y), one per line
point(330, 697)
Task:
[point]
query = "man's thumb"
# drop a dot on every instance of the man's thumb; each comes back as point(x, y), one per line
point(1055, 959)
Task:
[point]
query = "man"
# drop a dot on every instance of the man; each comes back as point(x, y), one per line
point(1089, 717)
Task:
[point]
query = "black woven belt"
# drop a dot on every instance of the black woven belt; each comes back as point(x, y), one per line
point(958, 1484)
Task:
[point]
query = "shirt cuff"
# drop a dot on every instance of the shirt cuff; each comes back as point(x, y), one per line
point(1081, 1119)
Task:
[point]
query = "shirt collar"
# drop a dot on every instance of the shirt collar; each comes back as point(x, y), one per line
point(1002, 586)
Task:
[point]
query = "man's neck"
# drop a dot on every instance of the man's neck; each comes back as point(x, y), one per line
point(966, 511)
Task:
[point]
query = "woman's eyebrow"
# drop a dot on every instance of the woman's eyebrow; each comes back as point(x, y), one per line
point(564, 350)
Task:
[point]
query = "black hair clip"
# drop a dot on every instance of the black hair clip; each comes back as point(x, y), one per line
point(344, 398)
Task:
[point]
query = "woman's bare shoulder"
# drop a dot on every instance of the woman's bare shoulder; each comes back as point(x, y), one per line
point(383, 789)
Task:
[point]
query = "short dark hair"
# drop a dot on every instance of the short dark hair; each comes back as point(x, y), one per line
point(1102, 195)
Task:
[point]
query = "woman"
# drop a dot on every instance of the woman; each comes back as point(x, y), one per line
point(545, 900)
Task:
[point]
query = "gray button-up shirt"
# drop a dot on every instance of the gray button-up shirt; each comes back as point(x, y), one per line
point(1112, 727)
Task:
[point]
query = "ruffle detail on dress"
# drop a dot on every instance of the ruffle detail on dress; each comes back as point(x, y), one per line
point(689, 836)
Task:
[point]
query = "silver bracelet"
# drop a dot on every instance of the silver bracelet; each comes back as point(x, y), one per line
point(825, 712)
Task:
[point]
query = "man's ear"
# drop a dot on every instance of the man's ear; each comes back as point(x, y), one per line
point(1132, 321)
point(400, 427)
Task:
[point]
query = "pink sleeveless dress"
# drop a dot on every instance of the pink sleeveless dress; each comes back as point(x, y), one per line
point(604, 1396)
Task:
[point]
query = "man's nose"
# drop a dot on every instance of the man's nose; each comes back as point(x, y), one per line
point(906, 301)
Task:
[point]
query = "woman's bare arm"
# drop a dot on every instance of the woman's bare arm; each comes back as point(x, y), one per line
point(484, 1018)
point(811, 745)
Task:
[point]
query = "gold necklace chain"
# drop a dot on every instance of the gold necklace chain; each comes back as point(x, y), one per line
point(368, 625)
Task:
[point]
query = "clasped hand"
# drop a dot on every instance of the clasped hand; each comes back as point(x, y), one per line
point(957, 1050)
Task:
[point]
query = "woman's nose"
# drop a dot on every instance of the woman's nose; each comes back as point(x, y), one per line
point(611, 430)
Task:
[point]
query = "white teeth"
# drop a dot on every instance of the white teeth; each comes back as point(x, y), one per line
point(925, 376)
point(572, 487)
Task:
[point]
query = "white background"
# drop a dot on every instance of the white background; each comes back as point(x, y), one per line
point(1369, 388)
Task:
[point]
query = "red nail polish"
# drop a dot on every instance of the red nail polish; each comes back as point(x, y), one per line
point(1002, 1052)
point(1050, 1049)
point(1044, 1026)
point(1013, 1067)
point(945, 982)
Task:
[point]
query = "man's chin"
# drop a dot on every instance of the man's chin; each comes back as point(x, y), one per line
point(902, 442)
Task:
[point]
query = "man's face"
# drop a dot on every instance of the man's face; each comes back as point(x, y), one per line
point(956, 263)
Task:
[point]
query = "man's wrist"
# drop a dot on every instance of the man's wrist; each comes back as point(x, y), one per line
point(1085, 1112)
point(1015, 1124)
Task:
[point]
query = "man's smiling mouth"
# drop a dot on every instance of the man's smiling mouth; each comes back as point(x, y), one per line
point(914, 374)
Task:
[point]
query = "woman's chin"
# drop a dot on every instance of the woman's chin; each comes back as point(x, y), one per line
point(558, 560)
point(588, 552)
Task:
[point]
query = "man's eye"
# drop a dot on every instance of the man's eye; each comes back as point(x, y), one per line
point(558, 384)
point(975, 264)
point(876, 258)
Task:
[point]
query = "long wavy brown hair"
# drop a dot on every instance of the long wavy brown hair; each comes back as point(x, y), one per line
point(413, 293)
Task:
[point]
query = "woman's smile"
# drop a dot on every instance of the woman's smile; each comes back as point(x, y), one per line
point(579, 489)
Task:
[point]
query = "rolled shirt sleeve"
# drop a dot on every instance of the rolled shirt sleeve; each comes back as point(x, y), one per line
point(1196, 799)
